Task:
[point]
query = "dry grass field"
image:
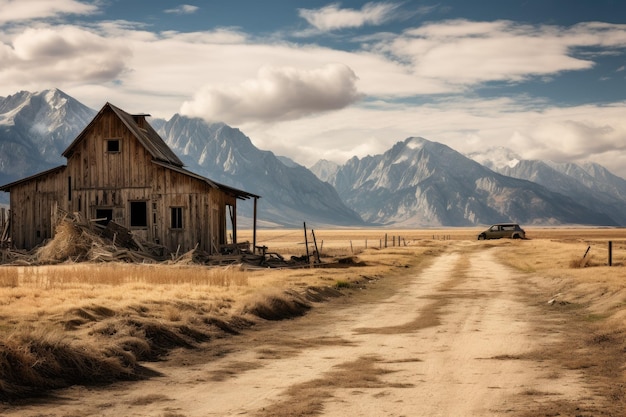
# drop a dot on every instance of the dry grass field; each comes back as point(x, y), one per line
point(91, 323)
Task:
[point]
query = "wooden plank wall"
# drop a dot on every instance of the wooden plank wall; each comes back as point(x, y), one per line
point(32, 206)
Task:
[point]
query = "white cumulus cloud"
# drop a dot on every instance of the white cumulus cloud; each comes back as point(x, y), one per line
point(466, 52)
point(283, 93)
point(18, 10)
point(332, 17)
point(61, 54)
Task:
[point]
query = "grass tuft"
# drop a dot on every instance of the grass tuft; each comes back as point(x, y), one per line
point(32, 362)
point(342, 284)
point(278, 306)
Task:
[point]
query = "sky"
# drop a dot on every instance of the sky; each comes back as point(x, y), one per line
point(330, 80)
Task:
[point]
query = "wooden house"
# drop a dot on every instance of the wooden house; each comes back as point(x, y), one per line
point(119, 168)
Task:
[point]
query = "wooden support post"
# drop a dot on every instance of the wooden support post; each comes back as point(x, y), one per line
point(306, 243)
point(233, 222)
point(385, 240)
point(610, 253)
point(254, 227)
point(317, 252)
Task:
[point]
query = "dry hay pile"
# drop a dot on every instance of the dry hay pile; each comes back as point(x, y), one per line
point(78, 242)
point(70, 242)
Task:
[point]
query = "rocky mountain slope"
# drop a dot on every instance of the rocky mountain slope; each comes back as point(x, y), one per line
point(35, 128)
point(421, 183)
point(589, 184)
point(290, 193)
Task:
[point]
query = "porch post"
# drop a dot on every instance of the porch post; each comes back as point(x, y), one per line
point(254, 227)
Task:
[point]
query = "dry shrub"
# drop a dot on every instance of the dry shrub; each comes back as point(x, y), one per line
point(32, 362)
point(277, 306)
point(320, 294)
point(160, 337)
point(172, 313)
point(579, 262)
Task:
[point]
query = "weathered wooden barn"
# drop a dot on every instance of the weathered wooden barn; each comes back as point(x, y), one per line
point(118, 168)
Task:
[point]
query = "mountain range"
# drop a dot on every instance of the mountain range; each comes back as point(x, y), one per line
point(416, 183)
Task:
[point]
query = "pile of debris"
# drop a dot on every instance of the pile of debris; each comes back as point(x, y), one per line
point(76, 240)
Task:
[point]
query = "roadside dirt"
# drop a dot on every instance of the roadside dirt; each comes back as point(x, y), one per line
point(465, 336)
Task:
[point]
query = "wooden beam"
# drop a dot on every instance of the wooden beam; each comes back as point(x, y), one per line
point(254, 226)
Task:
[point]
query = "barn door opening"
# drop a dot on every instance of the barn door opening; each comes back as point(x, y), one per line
point(138, 214)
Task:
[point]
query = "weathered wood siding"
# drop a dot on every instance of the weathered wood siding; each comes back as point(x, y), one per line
point(33, 204)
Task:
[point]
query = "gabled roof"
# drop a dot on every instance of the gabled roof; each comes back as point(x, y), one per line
point(146, 135)
point(7, 187)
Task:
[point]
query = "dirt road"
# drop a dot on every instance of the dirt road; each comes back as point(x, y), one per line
point(458, 338)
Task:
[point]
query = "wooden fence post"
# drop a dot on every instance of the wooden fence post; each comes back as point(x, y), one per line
point(306, 243)
point(610, 253)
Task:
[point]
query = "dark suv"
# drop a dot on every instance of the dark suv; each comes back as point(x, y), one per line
point(500, 230)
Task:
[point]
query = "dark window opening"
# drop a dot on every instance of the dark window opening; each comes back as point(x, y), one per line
point(69, 188)
point(113, 145)
point(177, 217)
point(138, 214)
point(104, 216)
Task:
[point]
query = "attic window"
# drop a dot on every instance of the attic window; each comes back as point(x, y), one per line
point(113, 145)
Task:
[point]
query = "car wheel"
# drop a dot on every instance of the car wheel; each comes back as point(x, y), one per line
point(481, 237)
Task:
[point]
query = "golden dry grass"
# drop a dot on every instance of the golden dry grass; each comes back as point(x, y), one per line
point(126, 313)
point(577, 278)
point(113, 316)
